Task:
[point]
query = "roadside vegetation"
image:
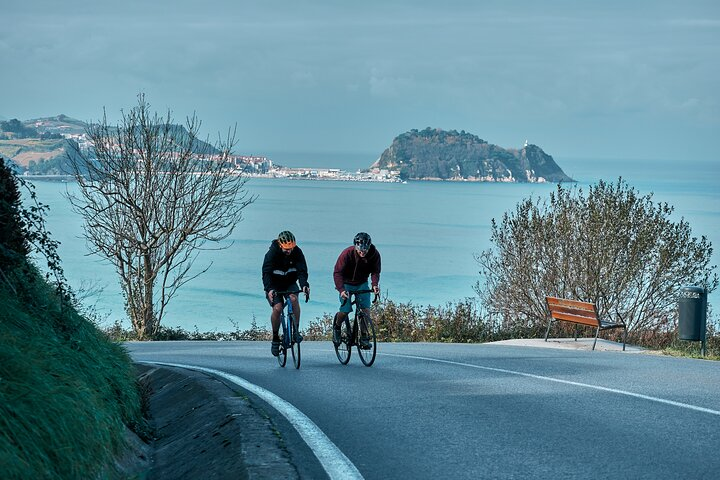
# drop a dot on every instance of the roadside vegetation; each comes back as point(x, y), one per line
point(610, 246)
point(67, 393)
point(458, 322)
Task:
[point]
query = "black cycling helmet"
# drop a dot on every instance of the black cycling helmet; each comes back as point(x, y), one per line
point(362, 241)
point(286, 240)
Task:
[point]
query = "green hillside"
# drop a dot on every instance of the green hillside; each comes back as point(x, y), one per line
point(67, 393)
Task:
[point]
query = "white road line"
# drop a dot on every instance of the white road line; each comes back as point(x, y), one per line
point(335, 463)
point(567, 382)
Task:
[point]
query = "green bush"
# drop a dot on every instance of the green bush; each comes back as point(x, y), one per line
point(118, 333)
point(14, 246)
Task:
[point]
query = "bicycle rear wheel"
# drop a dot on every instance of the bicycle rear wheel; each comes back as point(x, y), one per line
point(367, 354)
point(282, 356)
point(344, 348)
point(294, 347)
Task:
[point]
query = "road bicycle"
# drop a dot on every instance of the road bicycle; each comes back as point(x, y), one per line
point(350, 335)
point(287, 336)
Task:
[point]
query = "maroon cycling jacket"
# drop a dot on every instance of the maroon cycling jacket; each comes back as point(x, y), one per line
point(353, 269)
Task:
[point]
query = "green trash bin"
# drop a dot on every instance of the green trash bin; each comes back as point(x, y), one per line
point(692, 309)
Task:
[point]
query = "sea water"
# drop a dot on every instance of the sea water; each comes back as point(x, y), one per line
point(428, 234)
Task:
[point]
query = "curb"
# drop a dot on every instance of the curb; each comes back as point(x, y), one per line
point(572, 344)
point(204, 428)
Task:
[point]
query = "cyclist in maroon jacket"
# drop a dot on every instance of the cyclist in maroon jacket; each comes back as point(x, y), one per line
point(352, 269)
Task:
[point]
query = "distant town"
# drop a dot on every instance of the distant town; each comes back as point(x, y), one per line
point(263, 167)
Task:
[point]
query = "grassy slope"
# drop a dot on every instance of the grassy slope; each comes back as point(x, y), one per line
point(65, 390)
point(21, 151)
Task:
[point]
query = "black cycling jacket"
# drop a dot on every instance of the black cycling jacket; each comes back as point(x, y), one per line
point(279, 271)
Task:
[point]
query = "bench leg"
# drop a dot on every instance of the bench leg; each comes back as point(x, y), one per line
point(576, 329)
point(597, 332)
point(548, 330)
point(624, 337)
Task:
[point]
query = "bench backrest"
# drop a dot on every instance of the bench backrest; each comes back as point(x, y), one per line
point(573, 311)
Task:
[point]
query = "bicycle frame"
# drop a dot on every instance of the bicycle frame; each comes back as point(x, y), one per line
point(287, 323)
point(361, 323)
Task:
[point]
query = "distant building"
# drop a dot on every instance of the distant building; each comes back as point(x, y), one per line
point(251, 163)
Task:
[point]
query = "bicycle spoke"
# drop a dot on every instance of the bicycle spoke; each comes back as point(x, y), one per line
point(282, 356)
point(295, 347)
point(344, 349)
point(366, 351)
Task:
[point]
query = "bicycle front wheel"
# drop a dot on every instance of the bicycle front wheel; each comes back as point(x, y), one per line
point(367, 346)
point(282, 356)
point(294, 347)
point(344, 348)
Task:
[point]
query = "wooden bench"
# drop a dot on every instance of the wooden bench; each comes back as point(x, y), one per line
point(580, 313)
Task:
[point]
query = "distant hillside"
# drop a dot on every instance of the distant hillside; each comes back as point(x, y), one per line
point(30, 153)
point(435, 154)
point(42, 146)
point(58, 124)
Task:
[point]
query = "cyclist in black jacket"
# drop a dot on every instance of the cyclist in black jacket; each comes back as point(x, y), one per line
point(284, 266)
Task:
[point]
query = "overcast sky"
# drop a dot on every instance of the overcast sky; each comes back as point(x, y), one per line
point(581, 79)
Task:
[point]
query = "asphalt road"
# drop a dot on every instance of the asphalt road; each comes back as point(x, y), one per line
point(489, 410)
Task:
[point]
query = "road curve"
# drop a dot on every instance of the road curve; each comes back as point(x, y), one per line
point(489, 411)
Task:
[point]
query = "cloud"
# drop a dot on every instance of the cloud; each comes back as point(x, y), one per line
point(388, 86)
point(303, 79)
point(391, 65)
point(695, 22)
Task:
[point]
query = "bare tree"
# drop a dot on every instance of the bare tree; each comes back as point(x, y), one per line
point(151, 196)
point(614, 248)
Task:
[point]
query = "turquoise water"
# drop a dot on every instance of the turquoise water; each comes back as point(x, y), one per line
point(427, 233)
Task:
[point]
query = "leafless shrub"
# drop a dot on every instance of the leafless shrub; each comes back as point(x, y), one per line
point(152, 195)
point(612, 247)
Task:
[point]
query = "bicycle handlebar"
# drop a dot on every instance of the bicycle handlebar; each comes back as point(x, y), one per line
point(356, 292)
point(293, 292)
